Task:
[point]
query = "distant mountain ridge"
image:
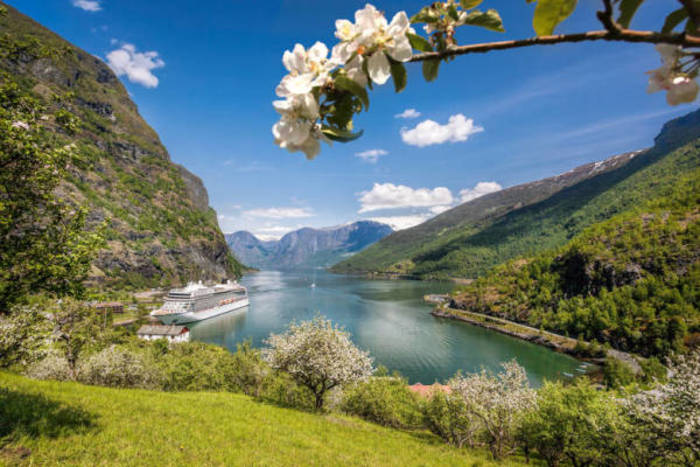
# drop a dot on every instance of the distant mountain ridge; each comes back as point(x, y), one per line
point(306, 247)
point(469, 239)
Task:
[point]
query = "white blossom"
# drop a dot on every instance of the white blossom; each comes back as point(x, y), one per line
point(299, 114)
point(373, 35)
point(670, 412)
point(319, 356)
point(497, 402)
point(20, 124)
point(307, 69)
point(680, 88)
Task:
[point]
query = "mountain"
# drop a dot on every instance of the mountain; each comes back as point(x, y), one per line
point(159, 226)
point(630, 281)
point(526, 219)
point(306, 247)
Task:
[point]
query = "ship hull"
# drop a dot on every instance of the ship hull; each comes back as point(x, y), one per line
point(194, 316)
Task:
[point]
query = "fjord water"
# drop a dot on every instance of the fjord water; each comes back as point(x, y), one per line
point(388, 318)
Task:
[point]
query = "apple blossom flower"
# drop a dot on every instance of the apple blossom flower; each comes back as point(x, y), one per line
point(20, 124)
point(373, 35)
point(680, 88)
point(297, 129)
point(307, 69)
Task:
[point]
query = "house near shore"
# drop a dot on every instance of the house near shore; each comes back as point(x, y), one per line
point(428, 391)
point(171, 333)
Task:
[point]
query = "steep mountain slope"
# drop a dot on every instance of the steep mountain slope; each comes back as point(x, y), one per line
point(632, 281)
point(471, 238)
point(160, 228)
point(306, 247)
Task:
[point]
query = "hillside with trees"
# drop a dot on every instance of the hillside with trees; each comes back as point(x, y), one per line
point(472, 238)
point(154, 215)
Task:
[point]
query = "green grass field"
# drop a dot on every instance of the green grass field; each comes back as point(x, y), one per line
point(67, 423)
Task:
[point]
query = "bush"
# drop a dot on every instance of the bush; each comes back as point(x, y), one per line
point(119, 367)
point(573, 423)
point(616, 374)
point(384, 400)
point(195, 366)
point(447, 416)
point(53, 366)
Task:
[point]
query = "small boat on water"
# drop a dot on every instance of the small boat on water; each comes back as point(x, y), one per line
point(197, 302)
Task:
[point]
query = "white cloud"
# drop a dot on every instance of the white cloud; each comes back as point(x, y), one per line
point(390, 196)
point(429, 132)
point(402, 222)
point(280, 213)
point(440, 209)
point(408, 113)
point(137, 66)
point(371, 155)
point(88, 5)
point(480, 189)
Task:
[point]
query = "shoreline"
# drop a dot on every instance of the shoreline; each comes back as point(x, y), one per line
point(552, 341)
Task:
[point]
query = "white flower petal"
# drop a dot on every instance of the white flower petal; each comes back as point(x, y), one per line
point(401, 50)
point(318, 52)
point(378, 67)
point(683, 90)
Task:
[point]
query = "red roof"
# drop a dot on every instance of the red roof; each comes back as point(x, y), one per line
point(427, 391)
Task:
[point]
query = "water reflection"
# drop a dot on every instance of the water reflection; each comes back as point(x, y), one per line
point(388, 318)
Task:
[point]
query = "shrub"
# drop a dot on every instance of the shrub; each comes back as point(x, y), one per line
point(571, 423)
point(616, 374)
point(384, 400)
point(53, 366)
point(195, 366)
point(120, 367)
point(447, 416)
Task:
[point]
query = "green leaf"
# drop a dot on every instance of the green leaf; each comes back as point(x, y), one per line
point(674, 19)
point(342, 136)
point(691, 28)
point(398, 73)
point(627, 10)
point(347, 84)
point(468, 4)
point(419, 43)
point(430, 69)
point(452, 12)
point(489, 20)
point(425, 15)
point(549, 13)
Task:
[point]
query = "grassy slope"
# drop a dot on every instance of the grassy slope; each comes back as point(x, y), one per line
point(471, 248)
point(160, 226)
point(76, 424)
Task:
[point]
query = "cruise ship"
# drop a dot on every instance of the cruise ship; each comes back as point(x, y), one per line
point(197, 302)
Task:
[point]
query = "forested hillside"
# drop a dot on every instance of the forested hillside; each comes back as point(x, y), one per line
point(159, 226)
point(632, 281)
point(472, 238)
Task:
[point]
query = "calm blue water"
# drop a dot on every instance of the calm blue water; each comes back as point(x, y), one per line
point(388, 318)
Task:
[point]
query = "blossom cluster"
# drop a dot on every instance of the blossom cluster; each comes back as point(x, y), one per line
point(365, 52)
point(674, 76)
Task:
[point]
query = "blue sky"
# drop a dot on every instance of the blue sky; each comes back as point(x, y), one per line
point(215, 64)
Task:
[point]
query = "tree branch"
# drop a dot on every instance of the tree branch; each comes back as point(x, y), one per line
point(624, 35)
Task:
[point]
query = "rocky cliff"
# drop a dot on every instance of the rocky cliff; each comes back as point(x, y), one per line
point(159, 226)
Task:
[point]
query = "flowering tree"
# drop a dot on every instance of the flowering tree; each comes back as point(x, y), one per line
point(319, 356)
point(667, 418)
point(497, 402)
point(321, 94)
